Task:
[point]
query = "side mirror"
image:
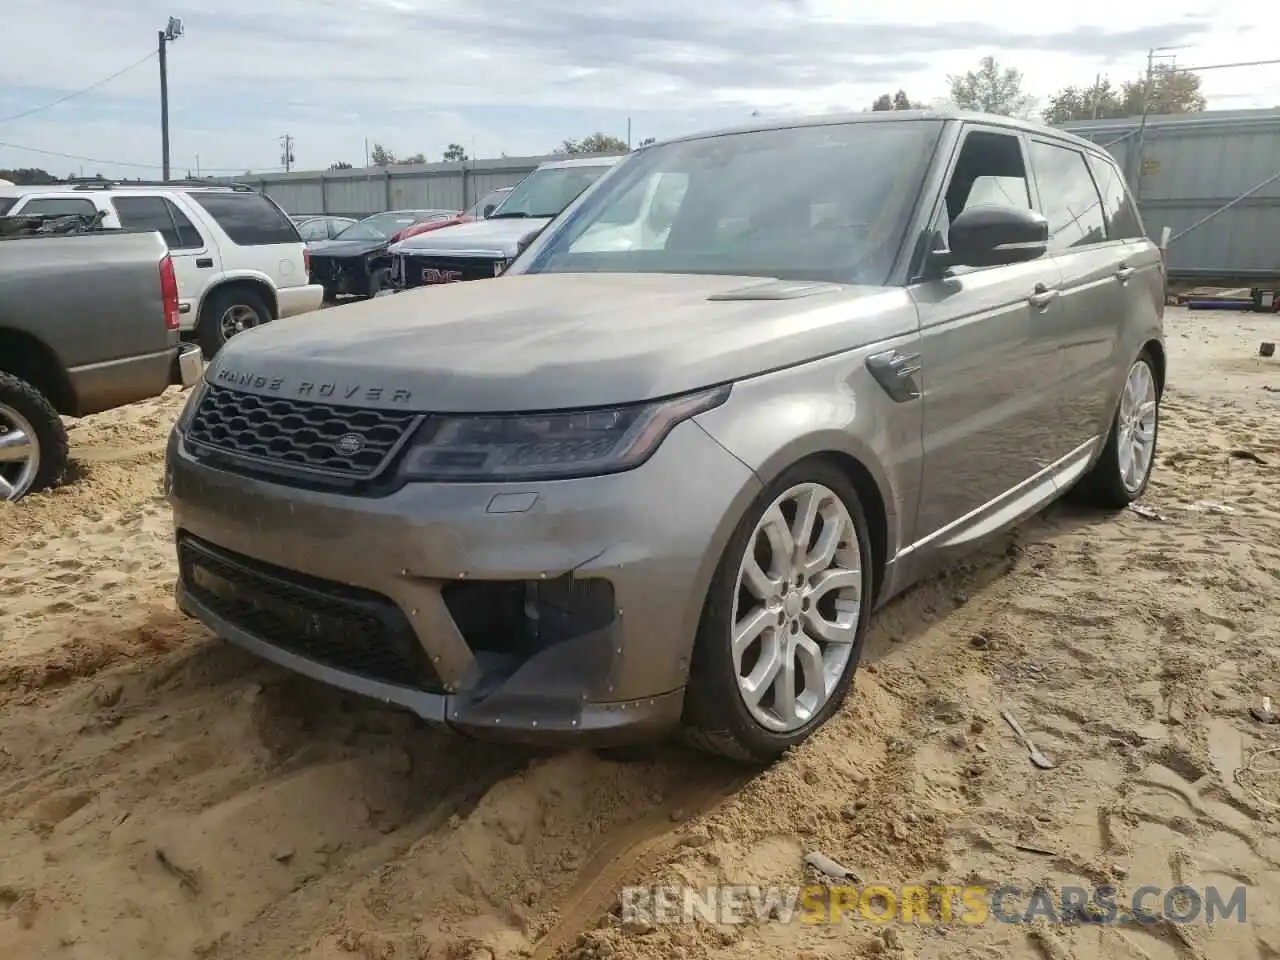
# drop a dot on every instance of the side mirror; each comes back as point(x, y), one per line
point(488, 210)
point(523, 244)
point(994, 236)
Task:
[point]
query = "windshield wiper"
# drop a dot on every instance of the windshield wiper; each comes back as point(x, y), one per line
point(511, 215)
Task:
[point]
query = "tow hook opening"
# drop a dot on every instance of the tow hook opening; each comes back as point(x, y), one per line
point(511, 625)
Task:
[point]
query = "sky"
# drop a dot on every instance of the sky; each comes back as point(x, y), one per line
point(517, 77)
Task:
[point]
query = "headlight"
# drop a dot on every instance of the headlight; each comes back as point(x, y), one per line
point(193, 401)
point(548, 446)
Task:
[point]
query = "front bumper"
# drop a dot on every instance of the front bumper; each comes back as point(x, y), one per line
point(291, 301)
point(653, 534)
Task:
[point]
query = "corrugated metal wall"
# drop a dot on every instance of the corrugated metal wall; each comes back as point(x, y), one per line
point(1183, 169)
point(358, 193)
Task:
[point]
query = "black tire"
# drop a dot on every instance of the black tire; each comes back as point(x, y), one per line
point(209, 330)
point(377, 280)
point(715, 718)
point(1102, 486)
point(50, 433)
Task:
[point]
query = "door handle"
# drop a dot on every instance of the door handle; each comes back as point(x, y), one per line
point(1124, 272)
point(1042, 296)
point(204, 262)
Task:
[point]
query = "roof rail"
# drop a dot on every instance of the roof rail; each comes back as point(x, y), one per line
point(94, 183)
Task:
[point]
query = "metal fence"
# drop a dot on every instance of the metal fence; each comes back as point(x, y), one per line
point(1213, 178)
point(361, 192)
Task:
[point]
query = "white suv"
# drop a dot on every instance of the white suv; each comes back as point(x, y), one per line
point(238, 257)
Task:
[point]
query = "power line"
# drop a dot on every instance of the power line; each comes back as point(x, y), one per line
point(117, 163)
point(71, 96)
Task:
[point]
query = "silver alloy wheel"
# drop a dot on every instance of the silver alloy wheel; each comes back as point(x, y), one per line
point(796, 607)
point(237, 319)
point(1136, 443)
point(19, 454)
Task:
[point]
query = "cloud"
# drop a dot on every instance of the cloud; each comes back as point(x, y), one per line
point(515, 76)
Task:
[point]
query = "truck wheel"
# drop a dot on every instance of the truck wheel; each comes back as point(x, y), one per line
point(784, 620)
point(33, 440)
point(226, 313)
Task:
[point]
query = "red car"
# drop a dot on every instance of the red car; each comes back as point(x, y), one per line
point(480, 211)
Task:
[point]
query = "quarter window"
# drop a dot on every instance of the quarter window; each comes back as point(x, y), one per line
point(1068, 197)
point(1123, 222)
point(160, 214)
point(60, 207)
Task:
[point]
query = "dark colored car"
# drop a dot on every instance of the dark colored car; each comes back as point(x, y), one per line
point(355, 262)
point(322, 228)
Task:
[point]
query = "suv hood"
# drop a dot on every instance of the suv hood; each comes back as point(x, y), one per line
point(556, 341)
point(497, 238)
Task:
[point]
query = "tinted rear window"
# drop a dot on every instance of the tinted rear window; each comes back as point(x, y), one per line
point(250, 220)
point(6, 203)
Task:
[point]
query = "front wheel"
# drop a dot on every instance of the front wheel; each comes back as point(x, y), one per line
point(784, 620)
point(33, 440)
point(1123, 470)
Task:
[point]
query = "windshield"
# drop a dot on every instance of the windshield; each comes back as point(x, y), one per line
point(544, 193)
point(819, 203)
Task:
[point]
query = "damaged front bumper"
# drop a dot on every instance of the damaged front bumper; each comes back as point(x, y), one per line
point(549, 613)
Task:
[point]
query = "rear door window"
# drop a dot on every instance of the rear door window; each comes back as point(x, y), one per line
point(6, 203)
point(248, 219)
point(158, 213)
point(60, 207)
point(1123, 222)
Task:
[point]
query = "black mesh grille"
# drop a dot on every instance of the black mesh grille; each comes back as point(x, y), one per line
point(429, 270)
point(356, 631)
point(340, 441)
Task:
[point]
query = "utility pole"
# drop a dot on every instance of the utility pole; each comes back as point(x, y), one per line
point(1097, 93)
point(286, 152)
point(628, 133)
point(171, 32)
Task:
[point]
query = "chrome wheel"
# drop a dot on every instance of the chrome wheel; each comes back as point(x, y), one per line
point(796, 607)
point(1136, 427)
point(19, 454)
point(237, 319)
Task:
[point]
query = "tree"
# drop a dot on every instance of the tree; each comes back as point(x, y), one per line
point(455, 153)
point(381, 156)
point(1100, 100)
point(596, 143)
point(29, 176)
point(898, 101)
point(991, 89)
point(340, 165)
point(416, 158)
point(1172, 91)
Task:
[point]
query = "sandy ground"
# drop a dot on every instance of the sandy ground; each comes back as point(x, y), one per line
point(163, 795)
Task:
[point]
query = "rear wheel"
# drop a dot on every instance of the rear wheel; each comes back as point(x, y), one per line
point(226, 313)
point(1123, 470)
point(785, 618)
point(33, 440)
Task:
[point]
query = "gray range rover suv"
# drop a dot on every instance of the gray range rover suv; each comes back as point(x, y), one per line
point(658, 475)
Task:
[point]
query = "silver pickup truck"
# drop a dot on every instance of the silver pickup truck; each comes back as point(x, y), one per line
point(88, 322)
